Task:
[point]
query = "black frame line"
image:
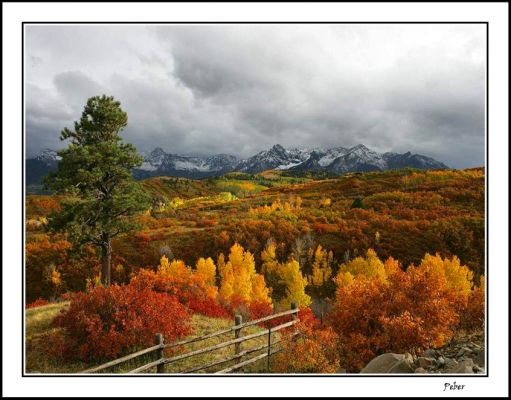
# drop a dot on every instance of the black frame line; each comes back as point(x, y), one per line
point(486, 171)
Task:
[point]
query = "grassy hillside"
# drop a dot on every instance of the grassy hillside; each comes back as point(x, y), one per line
point(404, 214)
point(38, 326)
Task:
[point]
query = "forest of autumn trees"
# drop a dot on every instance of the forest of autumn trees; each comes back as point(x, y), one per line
point(382, 261)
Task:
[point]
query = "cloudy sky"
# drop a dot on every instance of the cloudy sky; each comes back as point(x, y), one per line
point(239, 89)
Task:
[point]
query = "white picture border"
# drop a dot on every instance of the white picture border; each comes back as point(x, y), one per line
point(496, 384)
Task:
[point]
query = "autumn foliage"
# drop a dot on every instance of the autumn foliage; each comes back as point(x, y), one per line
point(381, 308)
point(239, 280)
point(313, 351)
point(194, 288)
point(394, 260)
point(37, 303)
point(285, 279)
point(107, 322)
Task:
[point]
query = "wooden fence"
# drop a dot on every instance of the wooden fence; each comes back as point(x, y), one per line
point(161, 361)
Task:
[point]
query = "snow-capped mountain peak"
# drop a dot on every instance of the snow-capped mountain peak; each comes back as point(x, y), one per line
point(336, 160)
point(47, 155)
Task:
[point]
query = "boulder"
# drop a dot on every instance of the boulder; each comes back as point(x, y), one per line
point(388, 363)
point(463, 367)
point(402, 367)
point(426, 362)
point(421, 370)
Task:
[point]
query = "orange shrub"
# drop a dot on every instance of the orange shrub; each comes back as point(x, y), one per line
point(473, 315)
point(109, 321)
point(408, 311)
point(41, 257)
point(314, 351)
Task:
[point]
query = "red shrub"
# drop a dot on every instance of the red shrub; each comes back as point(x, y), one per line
point(260, 310)
point(208, 307)
point(107, 322)
point(37, 303)
point(238, 306)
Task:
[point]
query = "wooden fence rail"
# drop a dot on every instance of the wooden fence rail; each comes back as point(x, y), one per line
point(158, 349)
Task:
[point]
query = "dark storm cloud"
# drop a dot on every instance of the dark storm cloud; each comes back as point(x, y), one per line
point(241, 88)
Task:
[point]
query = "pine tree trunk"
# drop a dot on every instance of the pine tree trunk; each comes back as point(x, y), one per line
point(106, 260)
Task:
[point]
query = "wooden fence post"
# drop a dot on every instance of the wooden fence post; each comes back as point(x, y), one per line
point(269, 349)
point(238, 319)
point(294, 307)
point(294, 316)
point(160, 368)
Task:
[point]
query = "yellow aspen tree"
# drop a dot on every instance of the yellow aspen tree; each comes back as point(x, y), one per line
point(227, 281)
point(164, 267)
point(206, 269)
point(369, 267)
point(459, 277)
point(205, 276)
point(260, 293)
point(269, 258)
point(294, 282)
point(271, 270)
point(321, 268)
point(240, 280)
point(241, 268)
point(220, 262)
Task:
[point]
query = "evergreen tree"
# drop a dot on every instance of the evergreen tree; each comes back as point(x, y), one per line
point(95, 171)
point(358, 203)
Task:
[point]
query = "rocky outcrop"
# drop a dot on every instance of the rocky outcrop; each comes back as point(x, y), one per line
point(463, 355)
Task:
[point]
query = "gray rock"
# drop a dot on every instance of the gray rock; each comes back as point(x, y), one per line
point(409, 358)
point(478, 370)
point(382, 363)
point(440, 361)
point(401, 367)
point(450, 363)
point(464, 367)
point(429, 353)
point(479, 359)
point(426, 362)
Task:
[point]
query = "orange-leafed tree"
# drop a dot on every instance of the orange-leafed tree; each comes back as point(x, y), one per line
point(406, 311)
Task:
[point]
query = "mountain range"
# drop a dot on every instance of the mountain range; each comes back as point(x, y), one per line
point(337, 160)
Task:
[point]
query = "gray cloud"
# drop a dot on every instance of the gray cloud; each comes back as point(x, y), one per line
point(242, 88)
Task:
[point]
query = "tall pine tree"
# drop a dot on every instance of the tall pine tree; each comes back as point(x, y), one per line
point(95, 171)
